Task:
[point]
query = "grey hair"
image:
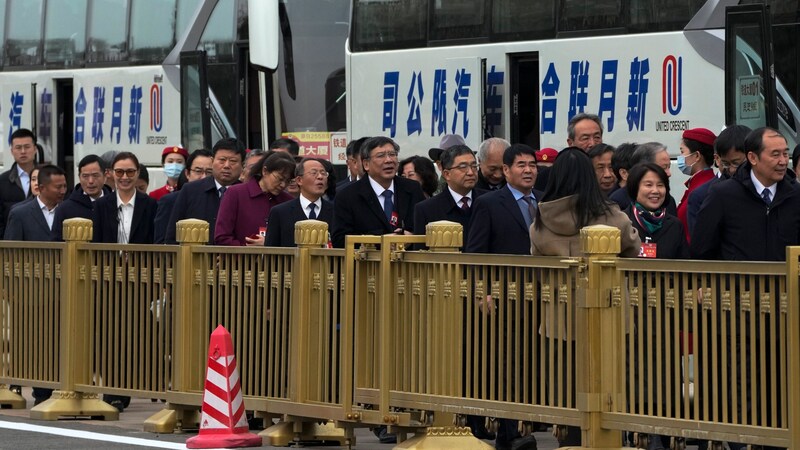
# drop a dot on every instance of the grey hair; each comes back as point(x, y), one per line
point(646, 153)
point(582, 116)
point(483, 150)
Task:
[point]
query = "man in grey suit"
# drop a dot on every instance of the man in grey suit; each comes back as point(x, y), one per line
point(32, 220)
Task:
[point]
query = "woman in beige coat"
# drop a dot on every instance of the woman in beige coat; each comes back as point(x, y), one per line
point(573, 200)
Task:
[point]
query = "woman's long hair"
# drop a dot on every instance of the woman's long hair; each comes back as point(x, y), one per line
point(573, 174)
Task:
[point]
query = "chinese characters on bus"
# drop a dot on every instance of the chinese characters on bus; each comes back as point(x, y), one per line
point(98, 115)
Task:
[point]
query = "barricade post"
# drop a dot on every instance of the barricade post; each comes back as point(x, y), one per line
point(65, 401)
point(189, 342)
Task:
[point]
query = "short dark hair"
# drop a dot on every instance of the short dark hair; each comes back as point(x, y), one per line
point(449, 156)
point(91, 159)
point(231, 144)
point(299, 169)
point(375, 142)
point(47, 172)
point(126, 155)
point(795, 155)
point(731, 138)
point(425, 171)
point(515, 150)
point(600, 150)
point(582, 116)
point(638, 172)
point(195, 154)
point(144, 174)
point(286, 143)
point(705, 150)
point(280, 162)
point(622, 158)
point(354, 147)
point(754, 142)
point(23, 133)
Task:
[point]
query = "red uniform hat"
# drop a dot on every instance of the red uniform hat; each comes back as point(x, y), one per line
point(546, 155)
point(702, 135)
point(174, 149)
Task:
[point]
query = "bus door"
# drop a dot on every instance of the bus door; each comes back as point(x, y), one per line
point(63, 148)
point(195, 102)
point(248, 103)
point(524, 97)
point(750, 97)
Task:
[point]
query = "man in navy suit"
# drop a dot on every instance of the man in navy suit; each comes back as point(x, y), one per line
point(454, 203)
point(312, 180)
point(500, 223)
point(380, 203)
point(32, 220)
point(501, 219)
point(200, 199)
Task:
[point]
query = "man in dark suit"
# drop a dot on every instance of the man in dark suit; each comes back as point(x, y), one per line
point(15, 183)
point(380, 203)
point(490, 160)
point(355, 169)
point(32, 220)
point(312, 180)
point(92, 175)
point(455, 202)
point(200, 199)
point(501, 220)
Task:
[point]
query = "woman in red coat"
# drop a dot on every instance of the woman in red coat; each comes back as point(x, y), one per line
point(695, 160)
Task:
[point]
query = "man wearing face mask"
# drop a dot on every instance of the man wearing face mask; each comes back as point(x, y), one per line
point(173, 159)
point(697, 155)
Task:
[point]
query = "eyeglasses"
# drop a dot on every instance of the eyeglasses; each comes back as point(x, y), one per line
point(384, 155)
point(465, 167)
point(199, 171)
point(317, 173)
point(91, 176)
point(280, 179)
point(129, 172)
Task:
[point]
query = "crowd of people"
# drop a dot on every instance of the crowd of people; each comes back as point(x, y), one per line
point(510, 198)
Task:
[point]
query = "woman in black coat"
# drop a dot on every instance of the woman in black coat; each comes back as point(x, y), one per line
point(661, 233)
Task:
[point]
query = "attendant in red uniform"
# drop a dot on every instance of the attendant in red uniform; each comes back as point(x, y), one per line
point(173, 159)
point(244, 209)
point(697, 155)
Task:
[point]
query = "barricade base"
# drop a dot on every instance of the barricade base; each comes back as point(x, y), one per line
point(10, 399)
point(445, 437)
point(71, 404)
point(171, 420)
point(282, 434)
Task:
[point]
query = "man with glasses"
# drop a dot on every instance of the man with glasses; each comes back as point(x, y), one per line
point(312, 180)
point(15, 183)
point(584, 131)
point(91, 186)
point(454, 203)
point(200, 199)
point(380, 203)
point(198, 166)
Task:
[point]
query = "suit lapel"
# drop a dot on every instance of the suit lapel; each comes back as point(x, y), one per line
point(138, 212)
point(508, 202)
point(372, 202)
point(38, 217)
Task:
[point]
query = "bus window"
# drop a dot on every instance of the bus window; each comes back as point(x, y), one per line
point(186, 10)
point(108, 28)
point(2, 29)
point(583, 15)
point(24, 33)
point(152, 30)
point(64, 32)
point(389, 24)
point(219, 35)
point(458, 20)
point(522, 19)
point(647, 16)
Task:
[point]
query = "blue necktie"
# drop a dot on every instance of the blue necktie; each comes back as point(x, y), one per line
point(388, 206)
point(531, 209)
point(313, 214)
point(766, 194)
point(222, 191)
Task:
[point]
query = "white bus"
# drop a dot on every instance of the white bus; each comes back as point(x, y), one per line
point(518, 69)
point(90, 76)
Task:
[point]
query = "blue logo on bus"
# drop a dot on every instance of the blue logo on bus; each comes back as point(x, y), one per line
point(672, 85)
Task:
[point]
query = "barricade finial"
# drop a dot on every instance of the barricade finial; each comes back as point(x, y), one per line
point(311, 233)
point(601, 239)
point(191, 231)
point(444, 236)
point(77, 229)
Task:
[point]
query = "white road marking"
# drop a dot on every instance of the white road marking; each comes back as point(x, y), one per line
point(19, 426)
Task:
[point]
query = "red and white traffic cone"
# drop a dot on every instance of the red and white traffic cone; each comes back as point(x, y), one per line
point(223, 423)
